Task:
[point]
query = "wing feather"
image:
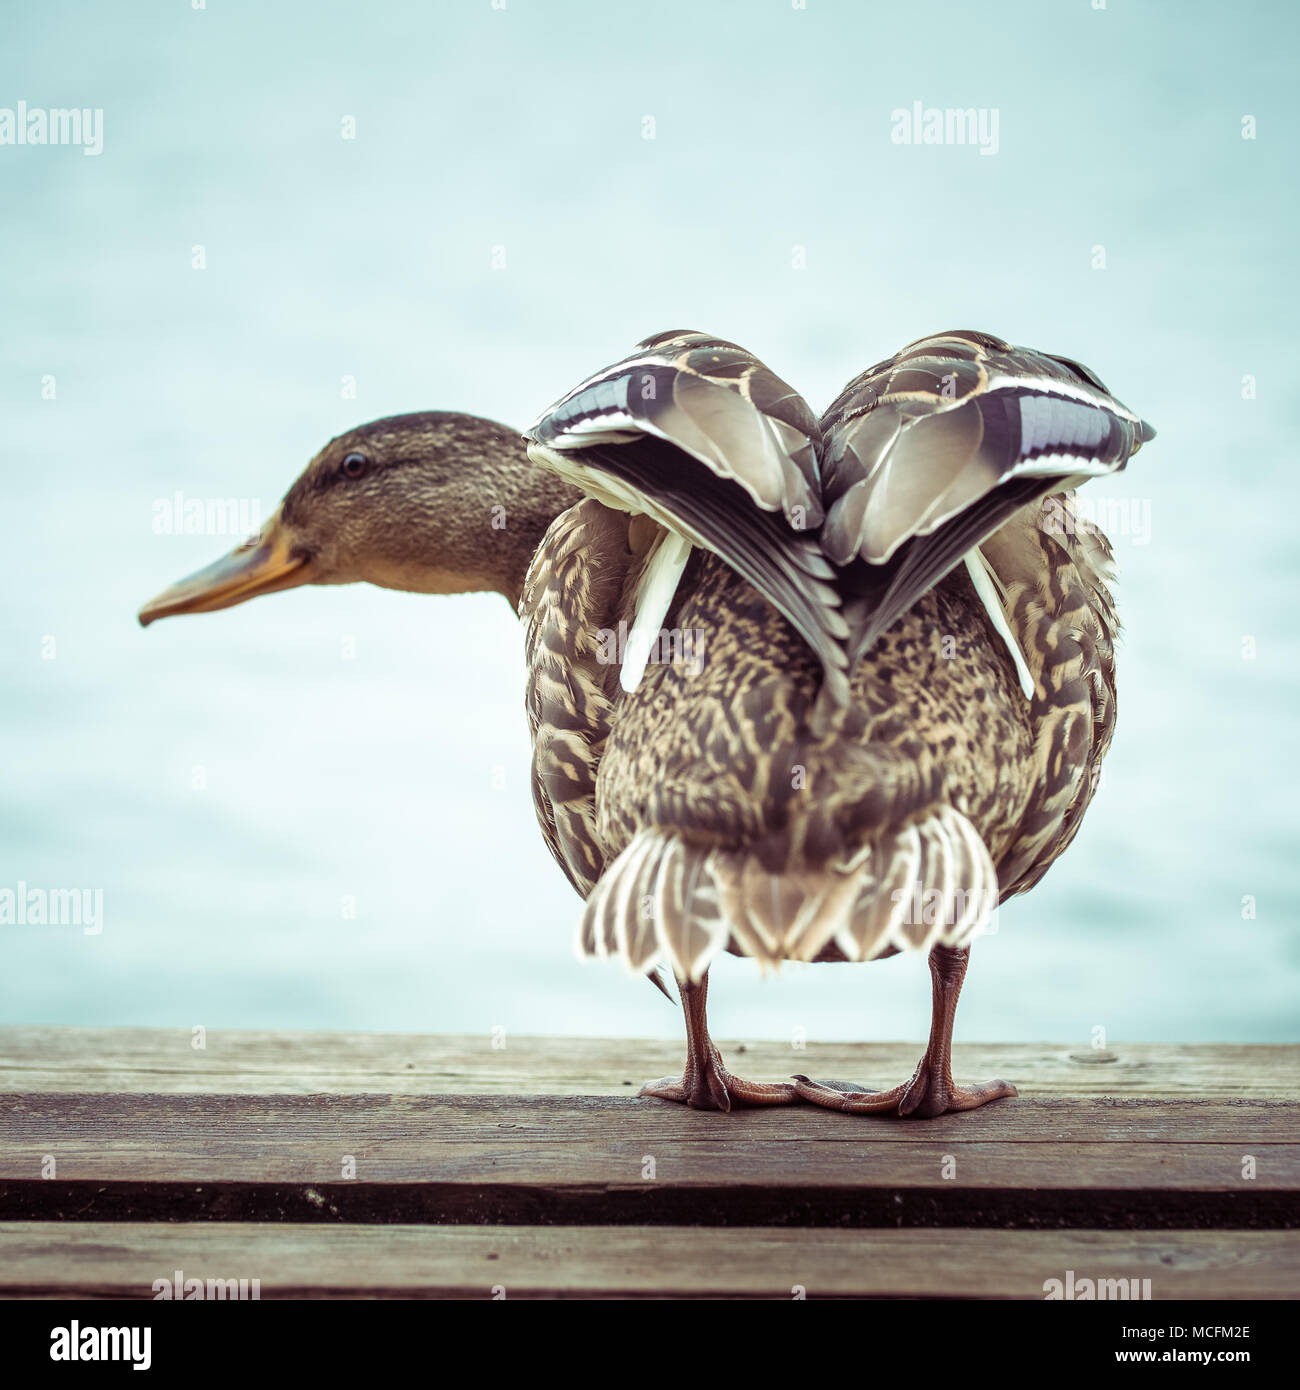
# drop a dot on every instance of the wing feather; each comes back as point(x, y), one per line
point(702, 437)
point(925, 455)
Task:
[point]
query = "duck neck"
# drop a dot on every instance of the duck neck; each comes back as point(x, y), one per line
point(520, 501)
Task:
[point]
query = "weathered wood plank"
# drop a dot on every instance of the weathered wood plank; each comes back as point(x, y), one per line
point(135, 1122)
point(122, 1260)
point(155, 1060)
point(597, 1161)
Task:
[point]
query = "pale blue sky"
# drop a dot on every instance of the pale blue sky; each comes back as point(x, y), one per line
point(400, 776)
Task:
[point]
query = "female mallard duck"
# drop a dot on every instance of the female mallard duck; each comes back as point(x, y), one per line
point(735, 807)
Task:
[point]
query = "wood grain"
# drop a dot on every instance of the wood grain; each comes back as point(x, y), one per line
point(126, 1154)
point(592, 1160)
point(122, 1260)
point(264, 1063)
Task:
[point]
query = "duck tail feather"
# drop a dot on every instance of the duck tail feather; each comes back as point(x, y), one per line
point(933, 884)
point(657, 903)
point(666, 902)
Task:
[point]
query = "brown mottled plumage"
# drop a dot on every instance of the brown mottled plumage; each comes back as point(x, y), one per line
point(578, 572)
point(1056, 567)
point(724, 757)
point(720, 803)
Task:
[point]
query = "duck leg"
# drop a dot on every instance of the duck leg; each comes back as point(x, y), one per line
point(706, 1084)
point(931, 1091)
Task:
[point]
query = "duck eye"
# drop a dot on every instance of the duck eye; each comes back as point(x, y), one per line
point(354, 465)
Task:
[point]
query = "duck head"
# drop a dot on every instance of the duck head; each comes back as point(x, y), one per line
point(431, 503)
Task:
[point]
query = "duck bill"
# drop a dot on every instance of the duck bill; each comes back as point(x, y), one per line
point(264, 564)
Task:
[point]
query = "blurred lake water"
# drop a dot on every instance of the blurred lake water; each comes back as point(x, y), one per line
point(313, 811)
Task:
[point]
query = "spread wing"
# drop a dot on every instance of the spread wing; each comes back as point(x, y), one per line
point(926, 455)
point(702, 437)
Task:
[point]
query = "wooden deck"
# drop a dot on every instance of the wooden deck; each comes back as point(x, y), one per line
point(340, 1165)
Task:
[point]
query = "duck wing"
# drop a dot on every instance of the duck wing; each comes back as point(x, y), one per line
point(927, 454)
point(699, 435)
point(570, 594)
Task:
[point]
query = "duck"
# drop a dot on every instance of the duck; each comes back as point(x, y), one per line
point(798, 689)
point(867, 672)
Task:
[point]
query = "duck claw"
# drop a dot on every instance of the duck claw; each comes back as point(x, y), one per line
point(931, 1092)
point(713, 1087)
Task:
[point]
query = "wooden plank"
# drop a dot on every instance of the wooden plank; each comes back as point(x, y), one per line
point(256, 1062)
point(598, 1161)
point(531, 1120)
point(122, 1260)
